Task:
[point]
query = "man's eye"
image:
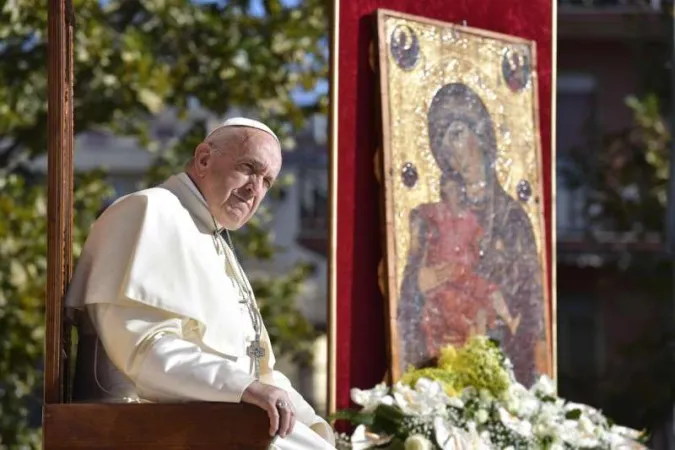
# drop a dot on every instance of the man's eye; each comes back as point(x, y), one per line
point(267, 183)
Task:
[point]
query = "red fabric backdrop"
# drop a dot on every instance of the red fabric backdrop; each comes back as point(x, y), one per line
point(361, 359)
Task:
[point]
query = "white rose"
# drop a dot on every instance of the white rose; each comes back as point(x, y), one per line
point(362, 439)
point(485, 396)
point(484, 436)
point(517, 390)
point(544, 387)
point(371, 398)
point(520, 401)
point(482, 416)
point(418, 442)
point(586, 425)
point(456, 402)
point(528, 407)
point(541, 430)
point(515, 410)
point(522, 427)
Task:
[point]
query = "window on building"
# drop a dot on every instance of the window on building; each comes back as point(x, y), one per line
point(313, 188)
point(575, 129)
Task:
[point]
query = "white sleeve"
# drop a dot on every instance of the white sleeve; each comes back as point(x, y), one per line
point(147, 345)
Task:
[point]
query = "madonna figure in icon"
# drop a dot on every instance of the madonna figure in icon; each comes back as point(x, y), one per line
point(473, 266)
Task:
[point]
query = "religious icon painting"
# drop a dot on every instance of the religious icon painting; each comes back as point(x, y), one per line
point(465, 232)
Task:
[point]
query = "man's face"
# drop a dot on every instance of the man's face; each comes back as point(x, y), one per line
point(235, 178)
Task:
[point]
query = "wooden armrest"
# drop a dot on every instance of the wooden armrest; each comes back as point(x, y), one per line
point(155, 426)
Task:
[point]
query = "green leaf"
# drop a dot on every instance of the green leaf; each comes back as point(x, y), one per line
point(573, 414)
point(352, 416)
point(388, 419)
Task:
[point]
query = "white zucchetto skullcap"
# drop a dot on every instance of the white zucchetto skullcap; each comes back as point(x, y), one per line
point(244, 122)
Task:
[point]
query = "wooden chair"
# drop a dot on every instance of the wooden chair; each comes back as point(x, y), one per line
point(153, 426)
point(109, 426)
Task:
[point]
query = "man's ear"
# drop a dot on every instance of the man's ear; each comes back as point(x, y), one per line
point(202, 158)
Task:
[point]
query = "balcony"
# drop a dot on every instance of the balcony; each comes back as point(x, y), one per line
point(612, 20)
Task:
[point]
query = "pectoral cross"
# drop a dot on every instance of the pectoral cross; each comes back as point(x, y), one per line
point(255, 351)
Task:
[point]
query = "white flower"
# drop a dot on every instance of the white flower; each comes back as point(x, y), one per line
point(516, 391)
point(551, 416)
point(482, 416)
point(485, 436)
point(370, 399)
point(362, 439)
point(586, 425)
point(590, 413)
point(418, 442)
point(572, 433)
point(520, 401)
point(478, 442)
point(426, 399)
point(485, 396)
point(529, 407)
point(452, 438)
point(541, 430)
point(429, 387)
point(521, 427)
point(626, 432)
point(432, 393)
point(456, 402)
point(624, 438)
point(544, 387)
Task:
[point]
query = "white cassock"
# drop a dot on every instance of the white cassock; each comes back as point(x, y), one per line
point(164, 316)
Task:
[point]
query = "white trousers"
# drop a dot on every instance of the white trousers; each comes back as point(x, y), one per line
point(302, 438)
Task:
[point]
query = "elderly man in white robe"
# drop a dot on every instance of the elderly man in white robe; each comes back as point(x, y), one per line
point(166, 312)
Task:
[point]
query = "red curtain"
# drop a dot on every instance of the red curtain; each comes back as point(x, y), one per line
point(361, 359)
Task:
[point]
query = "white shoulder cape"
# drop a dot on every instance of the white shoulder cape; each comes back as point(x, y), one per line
point(157, 247)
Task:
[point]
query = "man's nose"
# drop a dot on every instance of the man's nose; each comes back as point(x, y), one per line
point(254, 186)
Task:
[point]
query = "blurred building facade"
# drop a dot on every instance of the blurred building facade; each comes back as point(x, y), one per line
point(609, 305)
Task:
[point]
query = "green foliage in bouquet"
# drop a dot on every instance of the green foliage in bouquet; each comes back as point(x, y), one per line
point(479, 363)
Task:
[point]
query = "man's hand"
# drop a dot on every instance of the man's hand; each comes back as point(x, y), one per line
point(277, 404)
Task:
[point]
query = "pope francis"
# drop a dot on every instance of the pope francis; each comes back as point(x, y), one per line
point(165, 312)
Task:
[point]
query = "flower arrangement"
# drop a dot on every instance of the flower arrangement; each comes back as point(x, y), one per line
point(471, 400)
